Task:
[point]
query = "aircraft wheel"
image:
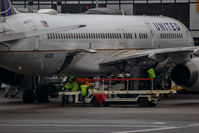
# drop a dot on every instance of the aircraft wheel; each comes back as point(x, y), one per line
point(106, 104)
point(143, 102)
point(95, 103)
point(42, 95)
point(28, 96)
point(152, 104)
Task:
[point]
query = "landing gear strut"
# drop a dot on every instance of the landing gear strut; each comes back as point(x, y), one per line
point(36, 92)
point(28, 96)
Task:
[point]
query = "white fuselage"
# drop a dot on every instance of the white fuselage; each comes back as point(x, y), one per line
point(46, 54)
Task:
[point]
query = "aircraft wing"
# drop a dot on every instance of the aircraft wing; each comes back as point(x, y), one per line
point(4, 37)
point(173, 55)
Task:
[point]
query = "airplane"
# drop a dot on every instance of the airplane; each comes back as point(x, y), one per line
point(33, 45)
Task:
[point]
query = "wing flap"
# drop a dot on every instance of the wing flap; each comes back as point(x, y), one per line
point(176, 55)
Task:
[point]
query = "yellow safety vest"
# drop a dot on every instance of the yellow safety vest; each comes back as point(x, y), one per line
point(75, 86)
point(68, 86)
point(151, 73)
point(83, 90)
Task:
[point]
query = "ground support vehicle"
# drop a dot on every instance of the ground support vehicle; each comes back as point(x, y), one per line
point(143, 98)
point(107, 95)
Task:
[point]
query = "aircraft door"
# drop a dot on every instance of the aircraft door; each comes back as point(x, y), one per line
point(154, 35)
point(36, 38)
point(122, 41)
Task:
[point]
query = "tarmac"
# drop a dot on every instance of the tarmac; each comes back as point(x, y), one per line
point(179, 114)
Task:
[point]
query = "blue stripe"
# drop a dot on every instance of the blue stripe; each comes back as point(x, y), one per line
point(8, 6)
point(3, 8)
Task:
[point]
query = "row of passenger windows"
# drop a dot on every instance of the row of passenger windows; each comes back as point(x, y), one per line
point(171, 35)
point(143, 36)
point(95, 35)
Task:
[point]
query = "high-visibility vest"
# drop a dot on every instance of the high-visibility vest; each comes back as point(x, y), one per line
point(68, 86)
point(151, 73)
point(83, 90)
point(75, 86)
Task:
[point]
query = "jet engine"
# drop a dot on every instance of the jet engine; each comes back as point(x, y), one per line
point(187, 75)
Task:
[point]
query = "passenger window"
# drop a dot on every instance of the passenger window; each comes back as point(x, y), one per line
point(131, 35)
point(48, 36)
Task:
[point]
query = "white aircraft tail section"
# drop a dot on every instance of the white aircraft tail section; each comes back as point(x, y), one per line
point(6, 8)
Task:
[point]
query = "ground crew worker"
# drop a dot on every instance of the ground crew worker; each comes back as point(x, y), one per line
point(75, 88)
point(67, 87)
point(151, 73)
point(83, 93)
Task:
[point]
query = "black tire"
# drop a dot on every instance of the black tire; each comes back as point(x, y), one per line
point(95, 103)
point(28, 96)
point(152, 104)
point(143, 102)
point(106, 104)
point(42, 95)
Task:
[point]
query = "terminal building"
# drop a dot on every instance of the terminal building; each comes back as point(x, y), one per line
point(187, 11)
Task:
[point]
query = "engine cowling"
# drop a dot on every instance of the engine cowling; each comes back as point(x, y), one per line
point(187, 75)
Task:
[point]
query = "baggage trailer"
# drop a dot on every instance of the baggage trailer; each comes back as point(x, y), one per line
point(144, 98)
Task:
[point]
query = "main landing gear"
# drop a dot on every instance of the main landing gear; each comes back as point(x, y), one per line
point(37, 93)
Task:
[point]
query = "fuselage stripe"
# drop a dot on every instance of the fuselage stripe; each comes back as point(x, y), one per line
point(0, 9)
point(3, 8)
